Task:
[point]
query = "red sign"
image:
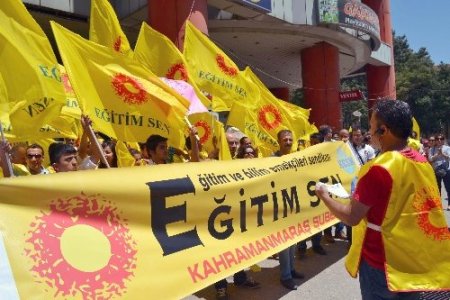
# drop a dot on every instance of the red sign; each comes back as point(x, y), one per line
point(354, 95)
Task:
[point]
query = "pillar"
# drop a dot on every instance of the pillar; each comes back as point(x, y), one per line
point(169, 17)
point(281, 93)
point(381, 79)
point(321, 84)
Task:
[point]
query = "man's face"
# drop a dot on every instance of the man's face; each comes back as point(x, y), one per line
point(19, 156)
point(285, 142)
point(161, 153)
point(34, 160)
point(67, 163)
point(328, 136)
point(233, 143)
point(247, 142)
point(344, 135)
point(357, 137)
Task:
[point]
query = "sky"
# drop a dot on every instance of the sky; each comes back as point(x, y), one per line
point(425, 24)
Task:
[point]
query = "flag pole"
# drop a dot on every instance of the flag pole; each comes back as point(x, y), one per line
point(94, 140)
point(7, 158)
point(190, 126)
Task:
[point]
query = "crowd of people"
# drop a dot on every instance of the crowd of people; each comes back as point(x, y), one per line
point(68, 155)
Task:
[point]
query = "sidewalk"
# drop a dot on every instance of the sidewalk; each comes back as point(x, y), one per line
point(325, 277)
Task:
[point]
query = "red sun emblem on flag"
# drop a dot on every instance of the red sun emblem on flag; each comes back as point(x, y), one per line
point(66, 83)
point(175, 69)
point(269, 117)
point(425, 202)
point(129, 89)
point(229, 70)
point(117, 43)
point(206, 130)
point(82, 248)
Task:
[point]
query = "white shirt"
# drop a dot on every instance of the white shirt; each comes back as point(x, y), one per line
point(365, 153)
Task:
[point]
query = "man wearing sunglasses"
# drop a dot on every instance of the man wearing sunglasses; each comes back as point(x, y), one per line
point(34, 158)
point(33, 161)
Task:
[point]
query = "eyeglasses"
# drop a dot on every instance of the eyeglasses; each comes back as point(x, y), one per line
point(431, 140)
point(37, 156)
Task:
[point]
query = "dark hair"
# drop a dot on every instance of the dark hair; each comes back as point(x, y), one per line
point(395, 115)
point(283, 131)
point(317, 136)
point(112, 145)
point(324, 130)
point(241, 151)
point(36, 146)
point(57, 150)
point(153, 141)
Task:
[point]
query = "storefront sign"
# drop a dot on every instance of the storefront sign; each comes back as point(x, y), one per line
point(354, 95)
point(351, 14)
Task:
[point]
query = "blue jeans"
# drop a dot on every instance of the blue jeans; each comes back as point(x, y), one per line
point(287, 260)
point(374, 286)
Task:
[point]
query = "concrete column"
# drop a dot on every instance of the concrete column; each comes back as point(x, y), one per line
point(321, 84)
point(281, 93)
point(169, 17)
point(381, 80)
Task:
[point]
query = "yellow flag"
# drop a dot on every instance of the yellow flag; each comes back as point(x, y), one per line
point(4, 110)
point(275, 114)
point(30, 70)
point(124, 157)
point(214, 72)
point(124, 100)
point(208, 129)
point(157, 52)
point(105, 29)
point(245, 119)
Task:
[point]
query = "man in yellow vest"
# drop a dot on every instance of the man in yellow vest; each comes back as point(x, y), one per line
point(401, 243)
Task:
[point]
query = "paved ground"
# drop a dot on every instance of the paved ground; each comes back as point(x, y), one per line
point(326, 278)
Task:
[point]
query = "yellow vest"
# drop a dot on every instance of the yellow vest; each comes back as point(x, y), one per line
point(414, 231)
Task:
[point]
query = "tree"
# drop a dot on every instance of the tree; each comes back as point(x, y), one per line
point(423, 85)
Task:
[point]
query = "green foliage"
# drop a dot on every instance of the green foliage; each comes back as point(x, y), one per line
point(423, 85)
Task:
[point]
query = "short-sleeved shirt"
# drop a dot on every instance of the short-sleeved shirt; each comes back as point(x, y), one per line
point(374, 190)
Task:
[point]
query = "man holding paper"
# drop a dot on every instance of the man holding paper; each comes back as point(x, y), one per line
point(401, 244)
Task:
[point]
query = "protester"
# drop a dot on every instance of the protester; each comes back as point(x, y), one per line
point(286, 256)
point(439, 157)
point(344, 135)
point(395, 255)
point(63, 157)
point(315, 138)
point(19, 154)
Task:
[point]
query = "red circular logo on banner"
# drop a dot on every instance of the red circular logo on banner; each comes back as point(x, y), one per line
point(230, 71)
point(129, 89)
point(426, 201)
point(269, 117)
point(206, 130)
point(175, 69)
point(82, 246)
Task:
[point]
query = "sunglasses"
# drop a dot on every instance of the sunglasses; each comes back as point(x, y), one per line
point(37, 156)
point(440, 138)
point(431, 140)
